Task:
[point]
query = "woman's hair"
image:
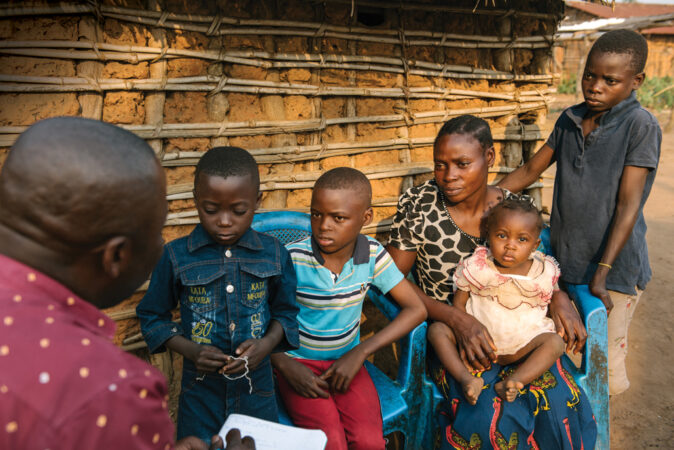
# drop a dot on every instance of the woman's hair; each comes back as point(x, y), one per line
point(514, 202)
point(470, 125)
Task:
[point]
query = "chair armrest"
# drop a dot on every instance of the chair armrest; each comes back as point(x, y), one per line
point(593, 312)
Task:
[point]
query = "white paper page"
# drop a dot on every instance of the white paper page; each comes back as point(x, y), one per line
point(274, 436)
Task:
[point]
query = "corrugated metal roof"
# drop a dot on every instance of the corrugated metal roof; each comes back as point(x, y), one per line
point(622, 10)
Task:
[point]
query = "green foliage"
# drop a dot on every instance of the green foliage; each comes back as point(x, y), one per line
point(567, 85)
point(652, 86)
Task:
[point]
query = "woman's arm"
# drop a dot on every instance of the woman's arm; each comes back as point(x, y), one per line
point(412, 313)
point(630, 191)
point(526, 174)
point(472, 337)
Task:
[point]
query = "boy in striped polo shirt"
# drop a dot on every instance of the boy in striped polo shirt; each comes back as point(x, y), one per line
point(323, 383)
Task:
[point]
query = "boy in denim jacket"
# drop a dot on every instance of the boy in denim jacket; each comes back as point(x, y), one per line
point(236, 290)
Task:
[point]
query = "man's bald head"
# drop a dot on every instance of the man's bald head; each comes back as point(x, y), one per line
point(77, 181)
point(71, 184)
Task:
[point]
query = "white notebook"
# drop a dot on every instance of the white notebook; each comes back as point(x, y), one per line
point(274, 436)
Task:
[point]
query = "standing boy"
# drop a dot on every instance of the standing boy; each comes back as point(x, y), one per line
point(607, 150)
point(236, 290)
point(324, 384)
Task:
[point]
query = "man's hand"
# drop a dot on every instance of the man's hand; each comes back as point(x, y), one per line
point(234, 441)
point(476, 346)
point(567, 321)
point(301, 378)
point(194, 443)
point(342, 371)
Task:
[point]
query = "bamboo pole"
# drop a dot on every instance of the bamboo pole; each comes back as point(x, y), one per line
point(275, 27)
point(154, 101)
point(135, 54)
point(213, 84)
point(91, 103)
point(251, 128)
point(74, 8)
point(305, 180)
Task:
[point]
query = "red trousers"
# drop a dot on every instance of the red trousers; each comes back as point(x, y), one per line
point(351, 420)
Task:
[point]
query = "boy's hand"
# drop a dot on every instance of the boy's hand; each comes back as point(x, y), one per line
point(303, 380)
point(255, 349)
point(342, 371)
point(207, 358)
point(598, 288)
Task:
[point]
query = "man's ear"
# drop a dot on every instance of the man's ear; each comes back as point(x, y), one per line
point(116, 255)
point(259, 199)
point(367, 216)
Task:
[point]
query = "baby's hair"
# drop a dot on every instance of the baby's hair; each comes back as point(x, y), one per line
point(470, 125)
point(346, 178)
point(228, 162)
point(623, 42)
point(513, 202)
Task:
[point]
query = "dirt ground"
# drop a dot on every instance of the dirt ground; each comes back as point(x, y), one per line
point(643, 417)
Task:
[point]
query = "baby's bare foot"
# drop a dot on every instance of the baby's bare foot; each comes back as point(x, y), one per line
point(472, 387)
point(508, 389)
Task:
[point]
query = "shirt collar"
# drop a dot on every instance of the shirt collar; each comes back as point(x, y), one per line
point(200, 238)
point(361, 251)
point(33, 287)
point(577, 112)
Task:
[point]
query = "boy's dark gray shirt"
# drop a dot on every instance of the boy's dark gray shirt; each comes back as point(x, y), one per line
point(586, 191)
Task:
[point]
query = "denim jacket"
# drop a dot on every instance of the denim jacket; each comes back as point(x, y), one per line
point(226, 294)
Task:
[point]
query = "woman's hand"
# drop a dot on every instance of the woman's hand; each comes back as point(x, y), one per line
point(476, 346)
point(567, 321)
point(300, 377)
point(342, 371)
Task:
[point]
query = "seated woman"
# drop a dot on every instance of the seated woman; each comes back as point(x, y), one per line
point(436, 225)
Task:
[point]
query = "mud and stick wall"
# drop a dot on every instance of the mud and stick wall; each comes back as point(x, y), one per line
point(305, 86)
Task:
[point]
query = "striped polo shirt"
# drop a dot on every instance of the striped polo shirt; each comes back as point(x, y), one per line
point(330, 306)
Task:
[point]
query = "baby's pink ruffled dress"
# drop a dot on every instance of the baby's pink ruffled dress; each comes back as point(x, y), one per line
point(513, 308)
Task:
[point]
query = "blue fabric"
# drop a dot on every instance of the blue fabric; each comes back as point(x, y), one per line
point(195, 272)
point(554, 405)
point(205, 404)
point(330, 310)
point(226, 296)
point(585, 195)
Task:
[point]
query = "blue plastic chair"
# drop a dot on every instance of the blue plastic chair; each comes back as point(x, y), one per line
point(412, 402)
point(593, 373)
point(406, 401)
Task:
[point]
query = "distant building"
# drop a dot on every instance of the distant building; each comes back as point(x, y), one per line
point(584, 22)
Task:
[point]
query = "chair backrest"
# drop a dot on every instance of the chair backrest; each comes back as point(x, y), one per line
point(286, 226)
